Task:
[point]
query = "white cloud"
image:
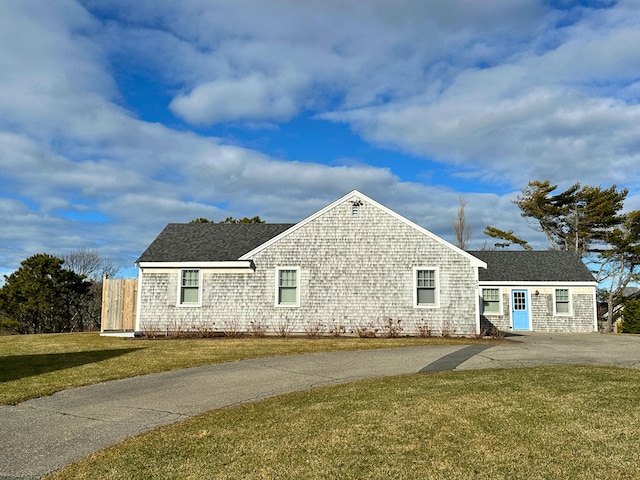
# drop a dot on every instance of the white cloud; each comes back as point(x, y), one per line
point(253, 97)
point(552, 115)
point(545, 134)
point(491, 89)
point(284, 56)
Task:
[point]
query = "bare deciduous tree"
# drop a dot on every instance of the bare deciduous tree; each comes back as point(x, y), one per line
point(90, 264)
point(95, 268)
point(462, 230)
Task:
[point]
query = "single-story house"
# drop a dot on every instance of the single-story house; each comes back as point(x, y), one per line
point(353, 264)
point(541, 290)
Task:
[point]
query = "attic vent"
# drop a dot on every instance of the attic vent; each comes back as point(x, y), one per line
point(355, 207)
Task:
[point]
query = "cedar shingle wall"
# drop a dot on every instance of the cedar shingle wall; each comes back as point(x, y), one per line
point(541, 311)
point(354, 270)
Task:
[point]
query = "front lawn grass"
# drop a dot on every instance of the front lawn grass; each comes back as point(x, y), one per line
point(534, 423)
point(37, 365)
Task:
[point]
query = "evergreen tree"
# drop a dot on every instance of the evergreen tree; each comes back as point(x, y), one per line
point(578, 219)
point(631, 318)
point(42, 296)
point(255, 219)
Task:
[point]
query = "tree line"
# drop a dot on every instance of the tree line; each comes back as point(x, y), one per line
point(51, 294)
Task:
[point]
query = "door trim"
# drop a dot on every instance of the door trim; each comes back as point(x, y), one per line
point(526, 311)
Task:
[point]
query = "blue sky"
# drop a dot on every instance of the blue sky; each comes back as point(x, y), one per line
point(118, 117)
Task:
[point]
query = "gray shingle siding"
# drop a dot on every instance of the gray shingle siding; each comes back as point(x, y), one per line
point(541, 309)
point(361, 269)
point(353, 269)
point(540, 271)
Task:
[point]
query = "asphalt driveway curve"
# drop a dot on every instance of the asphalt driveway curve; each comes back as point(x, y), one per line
point(44, 434)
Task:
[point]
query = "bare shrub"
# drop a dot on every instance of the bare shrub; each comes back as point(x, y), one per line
point(338, 328)
point(392, 328)
point(231, 327)
point(483, 333)
point(446, 329)
point(178, 328)
point(283, 327)
point(365, 330)
point(202, 328)
point(423, 329)
point(257, 328)
point(314, 328)
point(496, 333)
point(152, 329)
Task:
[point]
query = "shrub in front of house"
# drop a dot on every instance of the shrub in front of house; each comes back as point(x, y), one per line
point(631, 321)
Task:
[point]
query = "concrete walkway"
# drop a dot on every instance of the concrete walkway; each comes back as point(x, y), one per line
point(44, 434)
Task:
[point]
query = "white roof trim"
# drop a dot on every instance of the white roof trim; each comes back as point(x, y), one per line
point(475, 262)
point(496, 283)
point(227, 264)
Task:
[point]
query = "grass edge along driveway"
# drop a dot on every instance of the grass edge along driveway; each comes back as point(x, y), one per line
point(530, 423)
point(38, 365)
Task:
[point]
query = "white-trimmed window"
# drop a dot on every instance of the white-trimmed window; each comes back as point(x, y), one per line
point(288, 286)
point(425, 287)
point(491, 301)
point(562, 301)
point(190, 284)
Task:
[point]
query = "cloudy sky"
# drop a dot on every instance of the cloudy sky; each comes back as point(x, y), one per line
point(117, 117)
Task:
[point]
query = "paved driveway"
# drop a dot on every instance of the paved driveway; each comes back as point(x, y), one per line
point(44, 434)
point(531, 349)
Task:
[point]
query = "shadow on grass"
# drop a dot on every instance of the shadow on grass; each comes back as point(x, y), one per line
point(15, 367)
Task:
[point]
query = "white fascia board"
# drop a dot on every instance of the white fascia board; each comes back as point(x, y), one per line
point(537, 284)
point(138, 302)
point(475, 262)
point(227, 264)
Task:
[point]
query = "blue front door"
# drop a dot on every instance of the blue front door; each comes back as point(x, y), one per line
point(520, 309)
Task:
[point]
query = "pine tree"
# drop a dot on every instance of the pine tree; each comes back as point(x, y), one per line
point(42, 296)
point(631, 318)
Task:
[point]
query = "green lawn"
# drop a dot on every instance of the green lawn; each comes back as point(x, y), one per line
point(536, 423)
point(37, 365)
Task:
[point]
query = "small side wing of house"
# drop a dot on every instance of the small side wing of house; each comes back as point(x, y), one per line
point(545, 291)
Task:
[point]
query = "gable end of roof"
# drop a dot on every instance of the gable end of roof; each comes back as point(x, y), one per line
point(356, 196)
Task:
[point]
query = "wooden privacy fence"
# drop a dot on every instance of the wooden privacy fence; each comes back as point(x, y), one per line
point(119, 299)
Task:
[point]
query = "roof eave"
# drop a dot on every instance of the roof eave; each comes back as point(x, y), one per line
point(197, 264)
point(524, 283)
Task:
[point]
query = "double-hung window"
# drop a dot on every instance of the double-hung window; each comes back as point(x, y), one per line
point(563, 301)
point(426, 287)
point(190, 287)
point(491, 301)
point(288, 286)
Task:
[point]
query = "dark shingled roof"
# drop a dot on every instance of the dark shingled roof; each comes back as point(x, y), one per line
point(218, 242)
point(532, 266)
point(209, 242)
